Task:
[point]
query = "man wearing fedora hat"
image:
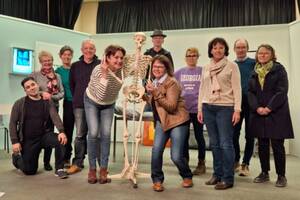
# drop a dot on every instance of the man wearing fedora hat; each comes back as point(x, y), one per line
point(158, 39)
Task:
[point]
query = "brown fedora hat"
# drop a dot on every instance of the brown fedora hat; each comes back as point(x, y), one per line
point(157, 32)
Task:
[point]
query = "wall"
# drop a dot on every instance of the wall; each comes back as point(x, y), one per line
point(87, 19)
point(294, 95)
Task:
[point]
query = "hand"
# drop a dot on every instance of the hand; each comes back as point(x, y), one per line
point(46, 95)
point(104, 67)
point(200, 117)
point(62, 138)
point(260, 111)
point(267, 110)
point(235, 117)
point(16, 148)
point(149, 87)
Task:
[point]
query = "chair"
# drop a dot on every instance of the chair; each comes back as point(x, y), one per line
point(118, 115)
point(5, 110)
point(6, 136)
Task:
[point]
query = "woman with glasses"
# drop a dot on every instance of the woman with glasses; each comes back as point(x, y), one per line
point(270, 119)
point(189, 78)
point(171, 122)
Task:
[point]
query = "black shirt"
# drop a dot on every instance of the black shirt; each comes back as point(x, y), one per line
point(80, 74)
point(164, 52)
point(34, 118)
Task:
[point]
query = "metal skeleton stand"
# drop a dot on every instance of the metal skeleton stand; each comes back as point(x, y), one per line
point(135, 67)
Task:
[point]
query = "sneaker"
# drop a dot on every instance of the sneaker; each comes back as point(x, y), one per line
point(200, 169)
point(244, 170)
point(48, 167)
point(281, 181)
point(262, 177)
point(73, 169)
point(60, 173)
point(236, 166)
point(16, 157)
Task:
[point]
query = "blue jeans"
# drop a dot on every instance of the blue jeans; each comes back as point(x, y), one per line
point(220, 131)
point(80, 139)
point(99, 120)
point(178, 135)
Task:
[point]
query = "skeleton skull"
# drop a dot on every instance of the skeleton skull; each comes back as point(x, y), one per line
point(139, 38)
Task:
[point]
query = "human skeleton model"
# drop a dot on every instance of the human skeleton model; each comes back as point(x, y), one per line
point(135, 67)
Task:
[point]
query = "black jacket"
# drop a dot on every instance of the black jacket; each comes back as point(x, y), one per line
point(277, 124)
point(80, 74)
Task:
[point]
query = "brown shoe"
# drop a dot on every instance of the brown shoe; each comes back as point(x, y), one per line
point(201, 168)
point(73, 169)
point(237, 166)
point(92, 177)
point(187, 183)
point(244, 170)
point(223, 186)
point(212, 181)
point(158, 187)
point(103, 176)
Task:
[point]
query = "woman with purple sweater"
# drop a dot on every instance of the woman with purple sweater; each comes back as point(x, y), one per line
point(189, 77)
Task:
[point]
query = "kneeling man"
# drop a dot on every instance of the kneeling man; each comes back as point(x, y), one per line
point(29, 130)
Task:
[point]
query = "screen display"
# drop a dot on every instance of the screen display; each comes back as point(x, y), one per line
point(22, 61)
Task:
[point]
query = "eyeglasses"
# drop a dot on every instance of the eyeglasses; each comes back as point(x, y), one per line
point(158, 66)
point(47, 61)
point(191, 56)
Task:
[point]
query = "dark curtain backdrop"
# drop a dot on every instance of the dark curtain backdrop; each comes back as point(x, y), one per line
point(34, 10)
point(146, 15)
point(62, 13)
point(299, 5)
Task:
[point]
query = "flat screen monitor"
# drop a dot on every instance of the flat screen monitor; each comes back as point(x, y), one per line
point(22, 61)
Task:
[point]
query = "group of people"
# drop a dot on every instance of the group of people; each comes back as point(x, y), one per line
point(220, 95)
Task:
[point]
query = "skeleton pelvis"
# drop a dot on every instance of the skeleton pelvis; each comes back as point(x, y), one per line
point(134, 92)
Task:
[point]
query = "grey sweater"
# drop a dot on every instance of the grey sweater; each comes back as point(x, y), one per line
point(42, 82)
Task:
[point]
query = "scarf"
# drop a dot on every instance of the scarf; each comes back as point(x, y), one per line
point(262, 71)
point(52, 84)
point(214, 70)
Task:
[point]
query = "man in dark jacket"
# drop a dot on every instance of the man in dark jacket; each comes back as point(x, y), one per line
point(158, 38)
point(30, 132)
point(80, 73)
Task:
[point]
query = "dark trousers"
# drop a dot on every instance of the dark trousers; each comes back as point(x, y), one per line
point(278, 153)
point(31, 148)
point(198, 131)
point(249, 146)
point(69, 120)
point(48, 150)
